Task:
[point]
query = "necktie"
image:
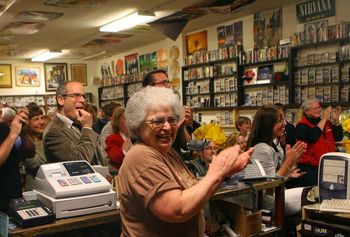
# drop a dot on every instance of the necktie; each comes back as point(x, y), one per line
point(76, 127)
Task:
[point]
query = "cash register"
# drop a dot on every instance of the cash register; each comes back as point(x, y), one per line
point(73, 188)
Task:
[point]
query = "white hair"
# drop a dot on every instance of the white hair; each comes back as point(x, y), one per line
point(7, 115)
point(146, 99)
point(307, 104)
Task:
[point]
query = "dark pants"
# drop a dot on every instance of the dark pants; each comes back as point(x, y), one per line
point(309, 179)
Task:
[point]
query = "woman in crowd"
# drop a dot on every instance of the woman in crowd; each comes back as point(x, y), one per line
point(268, 125)
point(320, 134)
point(159, 195)
point(36, 126)
point(118, 143)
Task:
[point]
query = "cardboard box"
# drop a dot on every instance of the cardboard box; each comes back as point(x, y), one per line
point(243, 221)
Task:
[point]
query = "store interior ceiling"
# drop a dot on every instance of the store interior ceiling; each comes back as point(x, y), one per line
point(29, 27)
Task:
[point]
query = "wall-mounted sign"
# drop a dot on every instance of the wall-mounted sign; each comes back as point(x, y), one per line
point(314, 10)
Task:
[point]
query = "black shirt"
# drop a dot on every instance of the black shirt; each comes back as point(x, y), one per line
point(10, 179)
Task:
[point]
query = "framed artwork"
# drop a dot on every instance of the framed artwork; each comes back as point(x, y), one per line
point(78, 73)
point(55, 74)
point(131, 64)
point(267, 28)
point(148, 62)
point(27, 76)
point(197, 42)
point(5, 76)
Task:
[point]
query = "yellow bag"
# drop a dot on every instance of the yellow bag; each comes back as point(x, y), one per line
point(211, 132)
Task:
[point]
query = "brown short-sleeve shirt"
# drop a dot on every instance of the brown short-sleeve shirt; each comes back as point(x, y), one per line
point(144, 174)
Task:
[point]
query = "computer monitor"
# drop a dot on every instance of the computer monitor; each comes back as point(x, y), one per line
point(334, 176)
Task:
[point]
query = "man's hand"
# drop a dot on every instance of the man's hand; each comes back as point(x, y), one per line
point(20, 120)
point(188, 116)
point(84, 117)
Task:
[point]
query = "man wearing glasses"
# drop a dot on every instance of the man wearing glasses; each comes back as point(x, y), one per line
point(159, 78)
point(70, 136)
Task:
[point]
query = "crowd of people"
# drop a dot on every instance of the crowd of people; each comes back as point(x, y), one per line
point(160, 192)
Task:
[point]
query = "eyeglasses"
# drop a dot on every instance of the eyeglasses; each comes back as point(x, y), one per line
point(164, 83)
point(213, 148)
point(75, 95)
point(158, 122)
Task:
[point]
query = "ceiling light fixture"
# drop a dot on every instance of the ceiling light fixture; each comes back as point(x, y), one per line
point(46, 56)
point(129, 21)
point(92, 56)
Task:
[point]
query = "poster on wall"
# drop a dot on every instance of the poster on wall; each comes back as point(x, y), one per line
point(230, 35)
point(79, 73)
point(238, 32)
point(314, 9)
point(131, 64)
point(148, 62)
point(221, 33)
point(27, 76)
point(267, 28)
point(316, 31)
point(197, 42)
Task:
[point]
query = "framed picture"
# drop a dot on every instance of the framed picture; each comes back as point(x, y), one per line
point(27, 76)
point(131, 64)
point(197, 42)
point(78, 73)
point(55, 74)
point(5, 76)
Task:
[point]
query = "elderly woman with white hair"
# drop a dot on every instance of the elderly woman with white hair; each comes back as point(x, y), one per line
point(319, 131)
point(159, 195)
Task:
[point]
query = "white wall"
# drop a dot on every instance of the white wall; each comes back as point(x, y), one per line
point(17, 90)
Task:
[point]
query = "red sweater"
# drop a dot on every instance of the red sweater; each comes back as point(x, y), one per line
point(315, 150)
point(114, 149)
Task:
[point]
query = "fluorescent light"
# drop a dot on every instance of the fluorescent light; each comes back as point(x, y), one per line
point(128, 21)
point(46, 56)
point(94, 55)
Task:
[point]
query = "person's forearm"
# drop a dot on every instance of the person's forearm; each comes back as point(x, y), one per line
point(194, 198)
point(185, 137)
point(6, 147)
point(183, 205)
point(322, 123)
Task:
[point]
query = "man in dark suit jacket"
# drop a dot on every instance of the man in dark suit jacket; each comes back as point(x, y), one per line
point(70, 136)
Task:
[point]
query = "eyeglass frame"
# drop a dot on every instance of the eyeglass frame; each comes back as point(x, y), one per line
point(161, 125)
point(164, 82)
point(75, 95)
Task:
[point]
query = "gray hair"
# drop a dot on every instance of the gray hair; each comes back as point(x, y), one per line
point(145, 100)
point(8, 114)
point(307, 104)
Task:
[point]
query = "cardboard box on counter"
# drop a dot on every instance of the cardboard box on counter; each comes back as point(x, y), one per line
point(242, 221)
